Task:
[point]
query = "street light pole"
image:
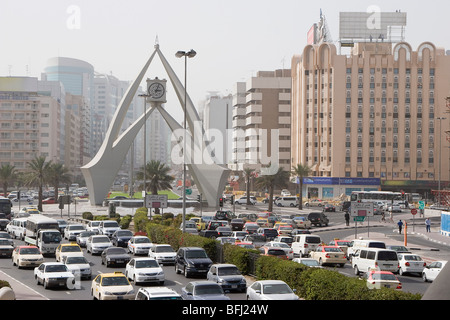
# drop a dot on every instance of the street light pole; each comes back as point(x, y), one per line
point(440, 154)
point(188, 54)
point(145, 145)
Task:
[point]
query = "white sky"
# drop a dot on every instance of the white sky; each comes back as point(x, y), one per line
point(233, 39)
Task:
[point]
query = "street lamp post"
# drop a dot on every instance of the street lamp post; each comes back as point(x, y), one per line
point(440, 153)
point(145, 145)
point(185, 54)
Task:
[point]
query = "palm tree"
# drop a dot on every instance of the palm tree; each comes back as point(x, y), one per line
point(157, 175)
point(37, 175)
point(248, 173)
point(57, 174)
point(300, 171)
point(8, 175)
point(278, 180)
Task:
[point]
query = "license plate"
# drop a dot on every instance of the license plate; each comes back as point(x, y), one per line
point(234, 286)
point(119, 261)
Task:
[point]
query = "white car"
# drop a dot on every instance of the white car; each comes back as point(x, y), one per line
point(309, 262)
point(93, 226)
point(410, 263)
point(79, 266)
point(97, 243)
point(139, 245)
point(67, 250)
point(270, 290)
point(157, 293)
point(243, 200)
point(163, 253)
point(54, 274)
point(72, 230)
point(27, 256)
point(83, 237)
point(432, 271)
point(144, 270)
point(112, 286)
point(281, 245)
point(108, 227)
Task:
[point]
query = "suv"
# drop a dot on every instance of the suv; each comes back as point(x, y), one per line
point(192, 260)
point(318, 219)
point(243, 200)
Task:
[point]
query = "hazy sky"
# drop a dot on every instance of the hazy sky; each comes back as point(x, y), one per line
point(233, 39)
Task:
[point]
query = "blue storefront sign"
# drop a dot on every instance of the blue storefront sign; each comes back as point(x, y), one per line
point(342, 181)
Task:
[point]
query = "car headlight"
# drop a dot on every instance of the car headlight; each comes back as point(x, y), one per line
point(160, 273)
point(131, 291)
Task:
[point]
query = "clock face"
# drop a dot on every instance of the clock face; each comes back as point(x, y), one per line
point(156, 90)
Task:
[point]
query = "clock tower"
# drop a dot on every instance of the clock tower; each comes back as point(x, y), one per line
point(156, 90)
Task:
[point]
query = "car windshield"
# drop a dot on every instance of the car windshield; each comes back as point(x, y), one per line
point(124, 233)
point(86, 234)
point(228, 271)
point(150, 263)
point(163, 249)
point(100, 239)
point(193, 254)
point(76, 260)
point(30, 251)
point(117, 251)
point(142, 240)
point(281, 245)
point(278, 288)
point(4, 242)
point(95, 223)
point(115, 281)
point(387, 256)
point(331, 249)
point(208, 289)
point(343, 243)
point(413, 258)
point(312, 240)
point(56, 268)
point(310, 263)
point(71, 249)
point(76, 228)
point(383, 276)
point(111, 224)
point(49, 237)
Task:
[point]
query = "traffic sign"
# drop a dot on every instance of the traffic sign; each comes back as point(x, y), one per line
point(156, 201)
point(413, 211)
point(421, 205)
point(359, 219)
point(358, 209)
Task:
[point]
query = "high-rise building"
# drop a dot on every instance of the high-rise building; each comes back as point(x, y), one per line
point(262, 107)
point(373, 118)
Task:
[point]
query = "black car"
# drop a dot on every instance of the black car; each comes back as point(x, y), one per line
point(237, 224)
point(115, 256)
point(224, 231)
point(209, 234)
point(224, 215)
point(318, 219)
point(192, 261)
point(120, 238)
point(329, 208)
point(4, 221)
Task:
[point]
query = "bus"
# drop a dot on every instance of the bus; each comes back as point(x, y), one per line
point(43, 232)
point(378, 197)
point(5, 206)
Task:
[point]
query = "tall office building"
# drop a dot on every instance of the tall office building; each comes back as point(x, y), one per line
point(373, 118)
point(262, 106)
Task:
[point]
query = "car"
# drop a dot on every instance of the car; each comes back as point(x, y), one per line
point(67, 249)
point(237, 224)
point(79, 266)
point(286, 201)
point(341, 243)
point(83, 236)
point(398, 249)
point(269, 233)
point(318, 219)
point(246, 245)
point(314, 203)
point(224, 215)
point(203, 290)
point(382, 279)
point(108, 227)
point(192, 261)
point(299, 231)
point(302, 222)
point(286, 239)
point(346, 205)
point(329, 255)
point(27, 256)
point(263, 222)
point(281, 245)
point(49, 200)
point(250, 227)
point(432, 270)
point(223, 240)
point(7, 236)
point(256, 239)
point(410, 263)
point(270, 290)
point(239, 235)
point(3, 221)
point(310, 262)
point(199, 222)
point(274, 252)
point(93, 226)
point(112, 286)
point(144, 270)
point(212, 234)
point(284, 230)
point(163, 253)
point(17, 228)
point(285, 193)
point(139, 245)
point(115, 256)
point(214, 224)
point(223, 231)
point(121, 237)
point(189, 227)
point(72, 230)
point(157, 293)
point(243, 200)
point(54, 274)
point(95, 244)
point(227, 276)
point(62, 225)
point(6, 249)
point(329, 208)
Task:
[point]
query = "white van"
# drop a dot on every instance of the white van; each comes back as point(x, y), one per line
point(358, 244)
point(303, 244)
point(375, 259)
point(286, 202)
point(17, 228)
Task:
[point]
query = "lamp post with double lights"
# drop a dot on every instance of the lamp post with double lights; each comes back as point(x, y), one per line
point(145, 96)
point(186, 54)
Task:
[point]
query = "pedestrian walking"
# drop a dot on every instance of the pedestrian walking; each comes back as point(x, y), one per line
point(383, 218)
point(428, 225)
point(390, 215)
point(347, 218)
point(400, 225)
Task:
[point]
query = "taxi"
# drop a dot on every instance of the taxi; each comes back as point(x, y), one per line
point(382, 279)
point(329, 255)
point(201, 225)
point(342, 244)
point(27, 256)
point(112, 286)
point(66, 250)
point(263, 222)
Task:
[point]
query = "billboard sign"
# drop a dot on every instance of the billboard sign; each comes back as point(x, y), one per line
point(156, 201)
point(361, 209)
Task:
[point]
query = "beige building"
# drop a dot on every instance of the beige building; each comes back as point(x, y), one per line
point(373, 114)
point(260, 107)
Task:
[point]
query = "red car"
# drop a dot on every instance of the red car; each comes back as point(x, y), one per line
point(50, 200)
